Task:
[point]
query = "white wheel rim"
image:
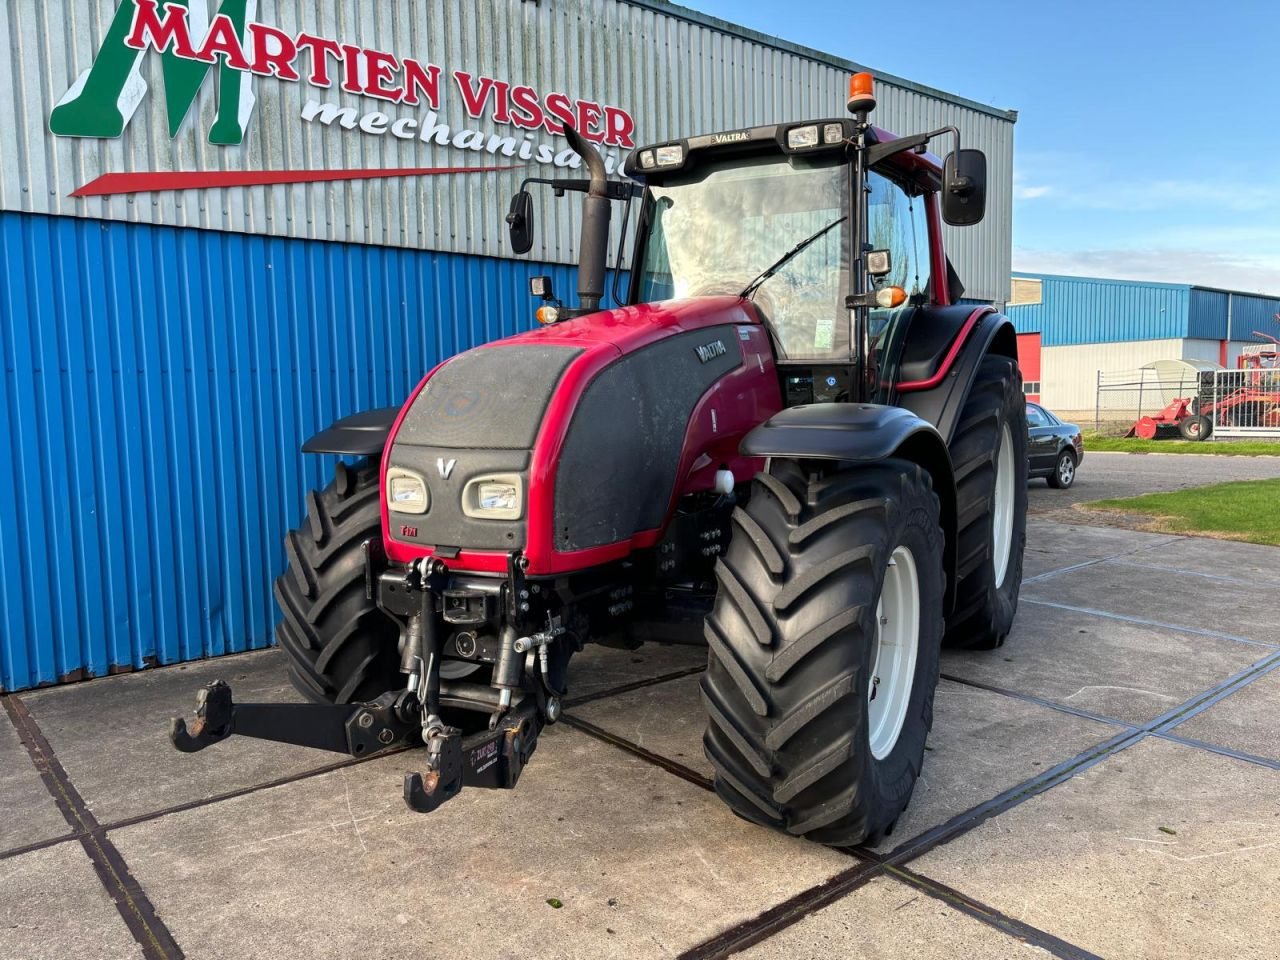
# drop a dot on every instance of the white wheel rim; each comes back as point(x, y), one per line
point(1002, 513)
point(1066, 470)
point(893, 665)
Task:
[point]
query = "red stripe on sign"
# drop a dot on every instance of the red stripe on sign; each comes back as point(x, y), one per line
point(116, 183)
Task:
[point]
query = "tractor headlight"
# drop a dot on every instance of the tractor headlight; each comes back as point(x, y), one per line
point(671, 155)
point(406, 491)
point(800, 137)
point(499, 496)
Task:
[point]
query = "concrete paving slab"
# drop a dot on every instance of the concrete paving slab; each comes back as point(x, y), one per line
point(642, 864)
point(1182, 599)
point(1052, 545)
point(112, 735)
point(121, 723)
point(1249, 562)
point(888, 920)
point(1248, 720)
point(667, 718)
point(1120, 670)
point(982, 743)
point(598, 668)
point(30, 815)
point(52, 907)
point(1088, 862)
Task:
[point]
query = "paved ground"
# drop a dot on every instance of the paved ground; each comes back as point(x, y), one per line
point(1106, 475)
point(1106, 784)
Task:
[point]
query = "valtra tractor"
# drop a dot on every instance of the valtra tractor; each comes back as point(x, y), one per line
point(791, 434)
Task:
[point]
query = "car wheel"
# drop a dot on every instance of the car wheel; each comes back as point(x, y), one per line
point(1064, 471)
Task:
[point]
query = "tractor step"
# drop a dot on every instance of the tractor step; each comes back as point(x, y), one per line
point(492, 759)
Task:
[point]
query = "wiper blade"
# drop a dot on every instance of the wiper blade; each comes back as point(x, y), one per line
point(783, 260)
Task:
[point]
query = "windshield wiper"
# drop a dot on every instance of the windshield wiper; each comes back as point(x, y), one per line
point(750, 289)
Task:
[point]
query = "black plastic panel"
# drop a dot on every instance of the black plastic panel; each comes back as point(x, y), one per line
point(932, 332)
point(491, 398)
point(618, 465)
point(361, 434)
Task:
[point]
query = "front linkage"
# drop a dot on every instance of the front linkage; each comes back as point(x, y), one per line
point(426, 600)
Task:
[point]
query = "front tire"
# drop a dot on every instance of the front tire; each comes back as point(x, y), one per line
point(808, 613)
point(989, 452)
point(1064, 471)
point(341, 647)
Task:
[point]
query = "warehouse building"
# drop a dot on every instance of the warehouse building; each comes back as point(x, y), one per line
point(1071, 330)
point(225, 225)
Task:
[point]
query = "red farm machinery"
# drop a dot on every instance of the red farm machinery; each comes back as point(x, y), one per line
point(1245, 398)
point(790, 425)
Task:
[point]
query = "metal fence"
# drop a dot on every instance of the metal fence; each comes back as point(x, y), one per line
point(1122, 398)
point(1243, 403)
point(1231, 403)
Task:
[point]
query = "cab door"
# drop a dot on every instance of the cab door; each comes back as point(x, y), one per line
point(1042, 439)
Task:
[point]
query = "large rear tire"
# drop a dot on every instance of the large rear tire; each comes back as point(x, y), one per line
point(809, 611)
point(989, 451)
point(341, 647)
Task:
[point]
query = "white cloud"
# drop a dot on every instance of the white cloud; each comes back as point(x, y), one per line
point(1096, 183)
point(1252, 274)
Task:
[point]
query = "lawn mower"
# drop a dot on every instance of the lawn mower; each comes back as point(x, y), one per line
point(791, 433)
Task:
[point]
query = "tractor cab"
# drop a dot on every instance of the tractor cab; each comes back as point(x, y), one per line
point(831, 228)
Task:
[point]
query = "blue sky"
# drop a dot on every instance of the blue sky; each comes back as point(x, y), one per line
point(1148, 137)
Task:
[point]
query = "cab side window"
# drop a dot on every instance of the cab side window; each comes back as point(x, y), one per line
point(896, 222)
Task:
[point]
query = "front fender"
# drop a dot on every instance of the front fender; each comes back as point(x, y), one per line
point(859, 433)
point(359, 435)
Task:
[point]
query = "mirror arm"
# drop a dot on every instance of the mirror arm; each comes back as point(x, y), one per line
point(880, 151)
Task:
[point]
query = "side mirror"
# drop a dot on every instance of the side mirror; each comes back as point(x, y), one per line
point(964, 187)
point(520, 222)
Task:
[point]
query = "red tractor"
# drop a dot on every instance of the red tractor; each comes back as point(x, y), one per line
point(792, 428)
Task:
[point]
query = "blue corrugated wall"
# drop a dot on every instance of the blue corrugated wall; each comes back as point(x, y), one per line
point(1075, 310)
point(1085, 310)
point(158, 384)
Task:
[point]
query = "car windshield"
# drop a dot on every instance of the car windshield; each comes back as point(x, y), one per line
point(718, 230)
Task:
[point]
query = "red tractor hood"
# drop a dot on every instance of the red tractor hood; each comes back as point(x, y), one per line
point(608, 420)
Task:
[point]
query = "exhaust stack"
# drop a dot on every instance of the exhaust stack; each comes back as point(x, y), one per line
point(593, 244)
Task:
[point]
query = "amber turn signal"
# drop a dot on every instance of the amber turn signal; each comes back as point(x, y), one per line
point(888, 297)
point(547, 314)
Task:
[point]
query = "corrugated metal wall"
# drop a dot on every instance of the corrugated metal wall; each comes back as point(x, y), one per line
point(1087, 310)
point(1077, 310)
point(166, 353)
point(1212, 311)
point(158, 383)
point(677, 72)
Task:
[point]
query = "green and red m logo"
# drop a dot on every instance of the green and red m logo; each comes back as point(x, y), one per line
point(104, 98)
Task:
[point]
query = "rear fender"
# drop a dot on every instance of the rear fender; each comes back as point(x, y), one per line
point(939, 397)
point(359, 435)
point(865, 433)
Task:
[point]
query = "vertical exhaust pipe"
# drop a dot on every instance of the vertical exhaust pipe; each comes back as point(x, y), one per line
point(593, 244)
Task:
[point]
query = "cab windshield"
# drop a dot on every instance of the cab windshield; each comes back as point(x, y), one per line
point(718, 230)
